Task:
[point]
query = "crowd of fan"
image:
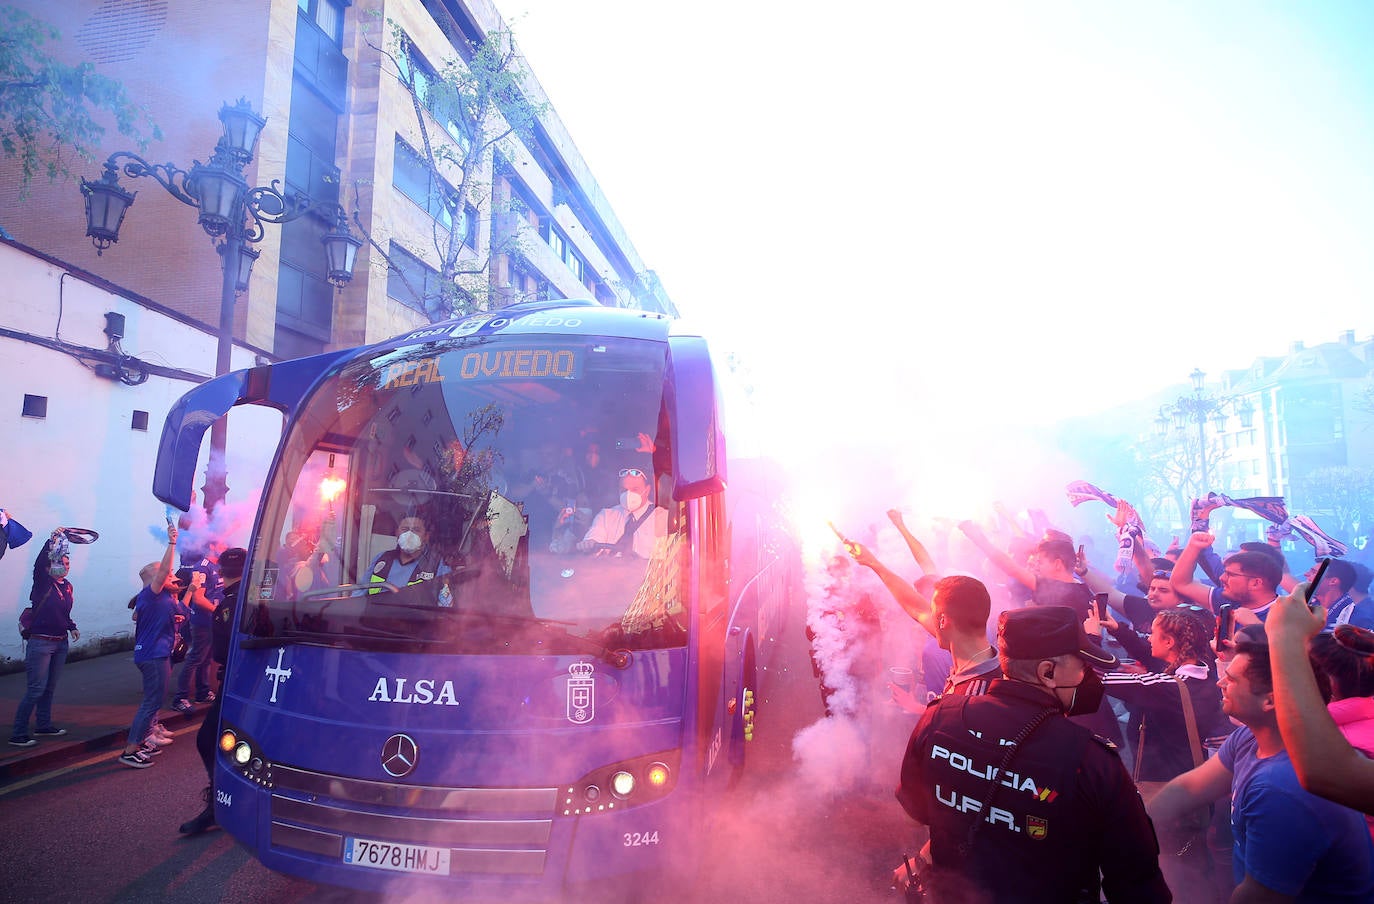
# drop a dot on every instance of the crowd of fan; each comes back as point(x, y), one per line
point(1249, 747)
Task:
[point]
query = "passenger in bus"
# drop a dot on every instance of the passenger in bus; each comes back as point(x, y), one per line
point(598, 477)
point(621, 530)
point(412, 561)
point(548, 486)
point(308, 562)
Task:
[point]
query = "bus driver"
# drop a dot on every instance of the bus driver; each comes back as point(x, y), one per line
point(412, 561)
point(620, 530)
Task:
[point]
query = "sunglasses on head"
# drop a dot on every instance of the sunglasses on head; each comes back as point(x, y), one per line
point(1162, 574)
point(631, 472)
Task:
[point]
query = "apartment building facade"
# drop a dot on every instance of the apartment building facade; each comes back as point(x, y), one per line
point(94, 348)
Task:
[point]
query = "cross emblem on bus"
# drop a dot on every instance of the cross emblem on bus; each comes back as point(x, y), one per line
point(276, 674)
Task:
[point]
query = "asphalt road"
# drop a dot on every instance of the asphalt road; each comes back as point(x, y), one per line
point(822, 828)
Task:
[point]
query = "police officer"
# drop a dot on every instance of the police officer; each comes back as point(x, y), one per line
point(222, 627)
point(1023, 804)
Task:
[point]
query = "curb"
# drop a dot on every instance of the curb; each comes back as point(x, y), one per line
point(52, 755)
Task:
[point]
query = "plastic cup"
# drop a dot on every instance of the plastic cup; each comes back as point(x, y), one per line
point(903, 678)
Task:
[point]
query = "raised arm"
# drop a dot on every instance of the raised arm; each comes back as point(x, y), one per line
point(1181, 579)
point(1009, 520)
point(996, 556)
point(1098, 582)
point(1325, 762)
point(918, 550)
point(164, 566)
point(907, 596)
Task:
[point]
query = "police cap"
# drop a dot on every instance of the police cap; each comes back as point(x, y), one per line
point(1043, 632)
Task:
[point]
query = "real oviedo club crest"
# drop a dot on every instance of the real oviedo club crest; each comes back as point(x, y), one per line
point(581, 693)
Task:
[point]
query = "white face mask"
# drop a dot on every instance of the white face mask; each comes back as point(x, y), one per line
point(631, 501)
point(409, 542)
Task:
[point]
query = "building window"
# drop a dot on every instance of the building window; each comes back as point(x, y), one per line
point(305, 299)
point(411, 281)
point(413, 178)
point(469, 226)
point(139, 421)
point(556, 242)
point(432, 96)
point(35, 406)
point(327, 15)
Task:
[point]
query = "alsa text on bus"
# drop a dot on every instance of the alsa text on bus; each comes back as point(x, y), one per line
point(394, 691)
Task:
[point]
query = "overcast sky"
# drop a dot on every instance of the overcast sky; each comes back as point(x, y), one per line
point(986, 207)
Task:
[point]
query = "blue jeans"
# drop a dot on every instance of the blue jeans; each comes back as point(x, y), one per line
point(155, 675)
point(197, 663)
point(43, 666)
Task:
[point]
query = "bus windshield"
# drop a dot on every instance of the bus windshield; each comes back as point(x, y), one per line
point(503, 494)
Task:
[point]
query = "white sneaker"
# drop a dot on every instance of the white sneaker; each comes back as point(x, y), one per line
point(156, 740)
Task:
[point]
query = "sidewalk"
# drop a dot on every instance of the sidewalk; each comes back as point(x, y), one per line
point(96, 700)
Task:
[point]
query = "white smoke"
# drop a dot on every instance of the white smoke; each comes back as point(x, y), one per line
point(856, 746)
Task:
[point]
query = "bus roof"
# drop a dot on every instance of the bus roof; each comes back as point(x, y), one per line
point(567, 317)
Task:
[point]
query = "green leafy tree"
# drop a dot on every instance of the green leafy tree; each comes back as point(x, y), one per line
point(50, 112)
point(468, 110)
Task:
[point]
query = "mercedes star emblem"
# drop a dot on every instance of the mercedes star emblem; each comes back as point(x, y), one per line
point(399, 755)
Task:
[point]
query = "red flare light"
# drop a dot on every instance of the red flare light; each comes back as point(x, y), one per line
point(331, 487)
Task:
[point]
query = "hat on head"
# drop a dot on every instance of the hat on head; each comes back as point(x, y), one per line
point(1043, 632)
point(232, 559)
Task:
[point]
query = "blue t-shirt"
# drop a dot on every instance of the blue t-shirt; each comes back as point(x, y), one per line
point(1288, 840)
point(155, 628)
point(1348, 612)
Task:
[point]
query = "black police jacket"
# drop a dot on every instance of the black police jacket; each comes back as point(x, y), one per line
point(1063, 807)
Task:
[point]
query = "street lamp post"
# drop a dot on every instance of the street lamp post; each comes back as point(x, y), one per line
point(232, 214)
point(1197, 409)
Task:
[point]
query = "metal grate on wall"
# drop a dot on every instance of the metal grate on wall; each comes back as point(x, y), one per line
point(119, 29)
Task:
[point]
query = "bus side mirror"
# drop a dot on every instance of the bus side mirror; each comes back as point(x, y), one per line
point(693, 399)
point(179, 447)
point(280, 386)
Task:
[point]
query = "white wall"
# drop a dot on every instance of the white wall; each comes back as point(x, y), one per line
point(83, 465)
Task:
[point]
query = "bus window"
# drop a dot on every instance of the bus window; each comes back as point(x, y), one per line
point(457, 510)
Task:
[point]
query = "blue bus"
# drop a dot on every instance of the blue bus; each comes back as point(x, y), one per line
point(447, 675)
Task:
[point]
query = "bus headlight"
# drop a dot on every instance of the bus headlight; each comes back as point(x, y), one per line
point(620, 786)
point(245, 757)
